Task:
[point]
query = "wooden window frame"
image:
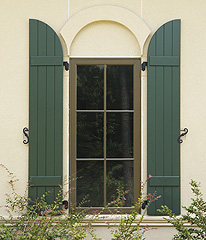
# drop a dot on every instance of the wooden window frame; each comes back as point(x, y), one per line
point(136, 62)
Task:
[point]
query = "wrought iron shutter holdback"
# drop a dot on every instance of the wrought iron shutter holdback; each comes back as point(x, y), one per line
point(181, 135)
point(27, 136)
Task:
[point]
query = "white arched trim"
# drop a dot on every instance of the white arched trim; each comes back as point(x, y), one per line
point(105, 13)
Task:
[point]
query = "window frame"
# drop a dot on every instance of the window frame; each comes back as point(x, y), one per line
point(136, 62)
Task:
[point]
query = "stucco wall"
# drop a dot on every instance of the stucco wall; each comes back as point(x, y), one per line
point(14, 69)
point(14, 79)
point(77, 5)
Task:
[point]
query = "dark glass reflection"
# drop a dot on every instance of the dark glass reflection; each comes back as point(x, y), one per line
point(90, 183)
point(120, 87)
point(119, 135)
point(90, 135)
point(90, 87)
point(120, 182)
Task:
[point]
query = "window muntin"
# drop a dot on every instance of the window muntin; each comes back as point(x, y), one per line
point(105, 129)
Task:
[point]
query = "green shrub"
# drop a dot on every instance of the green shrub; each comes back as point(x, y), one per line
point(195, 216)
point(130, 227)
point(40, 220)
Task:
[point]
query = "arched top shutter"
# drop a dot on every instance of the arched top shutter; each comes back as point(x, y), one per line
point(45, 109)
point(163, 116)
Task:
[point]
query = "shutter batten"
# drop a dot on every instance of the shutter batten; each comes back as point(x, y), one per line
point(42, 181)
point(164, 181)
point(163, 116)
point(164, 61)
point(46, 61)
point(45, 110)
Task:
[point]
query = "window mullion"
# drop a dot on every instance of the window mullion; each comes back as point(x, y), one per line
point(105, 135)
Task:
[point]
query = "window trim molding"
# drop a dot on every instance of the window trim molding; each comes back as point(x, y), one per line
point(136, 62)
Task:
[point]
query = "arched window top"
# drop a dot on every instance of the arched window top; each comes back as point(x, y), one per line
point(105, 13)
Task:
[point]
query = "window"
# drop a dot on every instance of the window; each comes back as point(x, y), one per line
point(104, 130)
point(96, 115)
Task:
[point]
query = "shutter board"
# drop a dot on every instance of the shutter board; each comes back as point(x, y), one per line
point(163, 117)
point(45, 110)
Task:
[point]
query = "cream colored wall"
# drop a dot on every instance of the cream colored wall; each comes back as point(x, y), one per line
point(76, 6)
point(14, 69)
point(14, 79)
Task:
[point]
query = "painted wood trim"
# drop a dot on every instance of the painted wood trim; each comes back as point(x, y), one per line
point(45, 109)
point(163, 116)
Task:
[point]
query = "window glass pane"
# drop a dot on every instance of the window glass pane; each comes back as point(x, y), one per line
point(90, 87)
point(120, 182)
point(119, 135)
point(90, 135)
point(120, 87)
point(90, 183)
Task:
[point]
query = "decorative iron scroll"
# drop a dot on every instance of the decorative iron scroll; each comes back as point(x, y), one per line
point(27, 136)
point(181, 135)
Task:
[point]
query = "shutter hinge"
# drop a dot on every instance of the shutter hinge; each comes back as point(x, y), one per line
point(66, 65)
point(65, 204)
point(145, 203)
point(144, 64)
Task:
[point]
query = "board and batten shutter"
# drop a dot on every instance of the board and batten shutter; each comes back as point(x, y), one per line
point(45, 110)
point(163, 117)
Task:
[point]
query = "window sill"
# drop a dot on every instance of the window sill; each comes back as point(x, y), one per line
point(112, 220)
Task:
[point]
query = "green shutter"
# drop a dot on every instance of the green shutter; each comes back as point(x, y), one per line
point(45, 110)
point(163, 116)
